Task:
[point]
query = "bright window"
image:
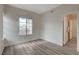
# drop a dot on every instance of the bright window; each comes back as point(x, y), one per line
point(25, 26)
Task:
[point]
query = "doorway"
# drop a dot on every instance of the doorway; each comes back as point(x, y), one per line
point(70, 31)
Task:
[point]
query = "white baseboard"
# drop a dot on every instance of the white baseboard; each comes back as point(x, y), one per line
point(1, 47)
point(1, 51)
point(53, 42)
point(30, 40)
point(20, 42)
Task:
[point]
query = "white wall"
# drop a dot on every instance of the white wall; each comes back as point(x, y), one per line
point(1, 29)
point(11, 25)
point(52, 23)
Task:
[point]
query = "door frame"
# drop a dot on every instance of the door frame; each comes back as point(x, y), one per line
point(63, 30)
point(63, 24)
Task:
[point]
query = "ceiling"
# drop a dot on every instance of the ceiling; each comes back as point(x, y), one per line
point(37, 8)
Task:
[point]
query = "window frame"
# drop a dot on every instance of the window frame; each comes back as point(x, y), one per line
point(26, 26)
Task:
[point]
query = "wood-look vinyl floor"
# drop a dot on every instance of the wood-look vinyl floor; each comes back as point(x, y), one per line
point(72, 44)
point(38, 47)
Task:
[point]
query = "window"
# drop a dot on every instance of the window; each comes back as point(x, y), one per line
point(29, 26)
point(25, 26)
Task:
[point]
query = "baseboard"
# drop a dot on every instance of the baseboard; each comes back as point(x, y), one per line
point(53, 42)
point(2, 51)
point(2, 47)
point(21, 42)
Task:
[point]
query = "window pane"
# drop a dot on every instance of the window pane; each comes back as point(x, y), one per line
point(22, 20)
point(29, 24)
point(29, 32)
point(29, 28)
point(25, 26)
point(29, 21)
point(22, 31)
point(22, 26)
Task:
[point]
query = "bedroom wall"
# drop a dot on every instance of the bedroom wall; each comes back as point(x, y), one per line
point(11, 25)
point(52, 23)
point(1, 29)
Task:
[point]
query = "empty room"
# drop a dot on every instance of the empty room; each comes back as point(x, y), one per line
point(39, 29)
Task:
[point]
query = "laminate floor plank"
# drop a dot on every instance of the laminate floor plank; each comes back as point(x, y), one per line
point(38, 47)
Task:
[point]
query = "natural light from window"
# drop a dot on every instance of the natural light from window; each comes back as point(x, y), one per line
point(25, 26)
